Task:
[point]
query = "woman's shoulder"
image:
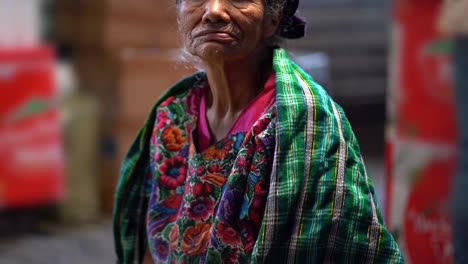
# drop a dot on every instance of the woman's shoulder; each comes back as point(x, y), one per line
point(296, 88)
point(303, 103)
point(183, 86)
point(305, 95)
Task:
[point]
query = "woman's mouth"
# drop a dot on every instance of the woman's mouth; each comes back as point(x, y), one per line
point(215, 35)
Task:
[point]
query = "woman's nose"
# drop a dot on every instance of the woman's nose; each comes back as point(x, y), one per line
point(216, 12)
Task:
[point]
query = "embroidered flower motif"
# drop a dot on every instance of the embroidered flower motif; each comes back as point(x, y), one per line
point(249, 151)
point(260, 125)
point(241, 162)
point(253, 167)
point(173, 236)
point(215, 168)
point(202, 189)
point(214, 175)
point(193, 101)
point(201, 208)
point(158, 157)
point(227, 234)
point(262, 160)
point(161, 249)
point(261, 188)
point(239, 139)
point(173, 172)
point(172, 138)
point(172, 201)
point(170, 205)
point(219, 150)
point(247, 236)
point(162, 119)
point(256, 210)
point(200, 170)
point(215, 178)
point(168, 101)
point(195, 239)
point(184, 151)
point(257, 207)
point(230, 206)
point(268, 140)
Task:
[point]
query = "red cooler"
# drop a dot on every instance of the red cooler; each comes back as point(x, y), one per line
point(421, 133)
point(31, 153)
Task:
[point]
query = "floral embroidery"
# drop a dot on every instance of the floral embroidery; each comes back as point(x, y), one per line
point(169, 206)
point(173, 237)
point(195, 239)
point(229, 206)
point(162, 119)
point(205, 207)
point(227, 234)
point(215, 178)
point(219, 150)
point(200, 170)
point(162, 248)
point(158, 157)
point(202, 189)
point(201, 208)
point(172, 138)
point(173, 172)
point(215, 168)
point(168, 101)
point(247, 236)
point(172, 201)
point(193, 101)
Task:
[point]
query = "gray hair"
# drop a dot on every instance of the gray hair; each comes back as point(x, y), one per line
point(275, 8)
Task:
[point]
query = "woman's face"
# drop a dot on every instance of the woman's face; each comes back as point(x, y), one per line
point(224, 29)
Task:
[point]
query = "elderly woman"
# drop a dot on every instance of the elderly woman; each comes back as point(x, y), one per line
point(248, 160)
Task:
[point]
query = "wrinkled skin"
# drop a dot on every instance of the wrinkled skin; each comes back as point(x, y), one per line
point(225, 29)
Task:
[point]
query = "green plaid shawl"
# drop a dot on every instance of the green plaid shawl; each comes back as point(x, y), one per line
point(321, 206)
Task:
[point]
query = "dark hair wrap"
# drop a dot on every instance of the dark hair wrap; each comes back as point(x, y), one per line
point(291, 26)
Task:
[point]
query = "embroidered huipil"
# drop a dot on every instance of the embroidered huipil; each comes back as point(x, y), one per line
point(206, 206)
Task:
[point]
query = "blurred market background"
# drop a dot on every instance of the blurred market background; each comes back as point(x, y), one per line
point(77, 79)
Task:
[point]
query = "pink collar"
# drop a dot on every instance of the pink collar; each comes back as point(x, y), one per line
point(251, 113)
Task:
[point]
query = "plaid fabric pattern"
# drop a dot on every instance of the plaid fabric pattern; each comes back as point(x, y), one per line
point(321, 205)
